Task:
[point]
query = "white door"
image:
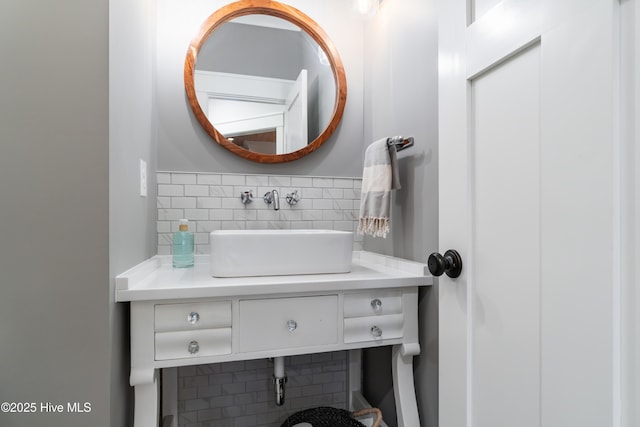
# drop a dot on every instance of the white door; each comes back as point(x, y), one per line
point(253, 125)
point(295, 116)
point(528, 155)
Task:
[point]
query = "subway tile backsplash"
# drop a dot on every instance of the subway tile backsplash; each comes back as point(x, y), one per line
point(211, 202)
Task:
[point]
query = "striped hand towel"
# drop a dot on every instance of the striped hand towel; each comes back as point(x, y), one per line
point(379, 177)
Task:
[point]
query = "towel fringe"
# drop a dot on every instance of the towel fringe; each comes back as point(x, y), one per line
point(376, 227)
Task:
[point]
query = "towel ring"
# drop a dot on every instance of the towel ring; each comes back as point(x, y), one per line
point(400, 142)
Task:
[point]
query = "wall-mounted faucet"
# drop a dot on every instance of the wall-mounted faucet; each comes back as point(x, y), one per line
point(272, 197)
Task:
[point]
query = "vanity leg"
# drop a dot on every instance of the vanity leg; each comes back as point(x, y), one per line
point(146, 411)
point(354, 379)
point(403, 388)
point(169, 381)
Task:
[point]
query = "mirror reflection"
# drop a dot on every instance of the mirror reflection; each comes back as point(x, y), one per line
point(265, 84)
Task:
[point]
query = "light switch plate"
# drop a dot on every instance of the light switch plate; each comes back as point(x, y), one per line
point(143, 178)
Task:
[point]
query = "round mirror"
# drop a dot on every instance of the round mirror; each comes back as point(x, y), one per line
point(265, 81)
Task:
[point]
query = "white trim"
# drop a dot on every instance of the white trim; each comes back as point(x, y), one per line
point(250, 125)
point(242, 86)
point(504, 31)
point(471, 250)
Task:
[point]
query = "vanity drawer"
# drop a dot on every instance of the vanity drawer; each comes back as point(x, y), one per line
point(270, 324)
point(372, 303)
point(373, 328)
point(189, 316)
point(185, 344)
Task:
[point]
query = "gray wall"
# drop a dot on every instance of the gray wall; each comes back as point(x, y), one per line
point(54, 215)
point(321, 88)
point(401, 99)
point(132, 137)
point(252, 50)
point(184, 146)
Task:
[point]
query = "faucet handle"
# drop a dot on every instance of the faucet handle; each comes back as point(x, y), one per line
point(293, 198)
point(272, 197)
point(246, 197)
point(268, 198)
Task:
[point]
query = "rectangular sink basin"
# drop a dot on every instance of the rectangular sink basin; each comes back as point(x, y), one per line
point(240, 253)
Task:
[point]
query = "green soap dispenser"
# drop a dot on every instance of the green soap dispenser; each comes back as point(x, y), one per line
point(183, 246)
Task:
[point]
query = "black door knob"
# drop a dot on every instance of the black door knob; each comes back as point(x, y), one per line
point(450, 263)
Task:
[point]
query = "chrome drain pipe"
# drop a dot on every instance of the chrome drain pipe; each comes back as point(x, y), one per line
point(279, 379)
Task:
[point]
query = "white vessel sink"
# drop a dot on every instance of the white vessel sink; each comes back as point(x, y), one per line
point(240, 253)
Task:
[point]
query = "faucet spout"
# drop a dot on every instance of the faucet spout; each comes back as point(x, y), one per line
point(272, 197)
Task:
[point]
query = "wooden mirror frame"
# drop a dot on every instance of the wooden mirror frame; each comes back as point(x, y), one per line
point(279, 10)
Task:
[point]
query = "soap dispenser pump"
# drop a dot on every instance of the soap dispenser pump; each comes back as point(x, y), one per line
point(183, 246)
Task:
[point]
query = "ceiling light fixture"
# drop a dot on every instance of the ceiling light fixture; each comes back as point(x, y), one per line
point(366, 8)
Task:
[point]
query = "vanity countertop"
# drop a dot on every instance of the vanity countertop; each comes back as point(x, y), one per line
point(156, 279)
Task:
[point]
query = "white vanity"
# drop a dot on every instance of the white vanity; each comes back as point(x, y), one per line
point(186, 317)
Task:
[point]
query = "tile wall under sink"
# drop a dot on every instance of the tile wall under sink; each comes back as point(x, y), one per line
point(240, 394)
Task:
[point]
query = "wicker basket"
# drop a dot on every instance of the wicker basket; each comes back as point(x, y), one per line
point(332, 417)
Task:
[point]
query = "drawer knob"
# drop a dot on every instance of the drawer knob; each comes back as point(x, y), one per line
point(193, 318)
point(376, 332)
point(292, 325)
point(376, 304)
point(194, 347)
